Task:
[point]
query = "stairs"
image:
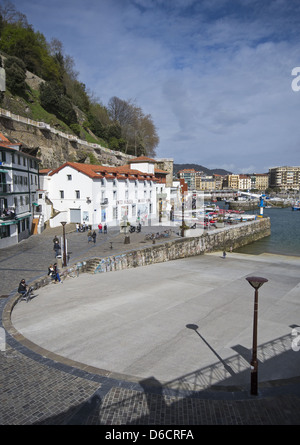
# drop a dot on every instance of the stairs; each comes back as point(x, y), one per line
point(92, 264)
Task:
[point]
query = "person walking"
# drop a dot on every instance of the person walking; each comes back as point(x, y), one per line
point(56, 248)
point(89, 235)
point(94, 235)
point(100, 227)
point(56, 274)
point(105, 228)
point(55, 240)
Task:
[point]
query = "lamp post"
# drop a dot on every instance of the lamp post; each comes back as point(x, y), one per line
point(160, 210)
point(183, 190)
point(63, 223)
point(256, 283)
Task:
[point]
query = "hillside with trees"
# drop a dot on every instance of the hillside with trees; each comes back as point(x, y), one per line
point(200, 168)
point(61, 100)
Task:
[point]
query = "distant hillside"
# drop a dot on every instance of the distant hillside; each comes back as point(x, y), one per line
point(197, 167)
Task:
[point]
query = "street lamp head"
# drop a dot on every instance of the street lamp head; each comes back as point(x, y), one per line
point(63, 223)
point(256, 282)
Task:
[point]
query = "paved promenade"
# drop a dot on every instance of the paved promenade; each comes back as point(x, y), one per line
point(167, 344)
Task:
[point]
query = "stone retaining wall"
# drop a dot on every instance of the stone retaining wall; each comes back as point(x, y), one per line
point(220, 239)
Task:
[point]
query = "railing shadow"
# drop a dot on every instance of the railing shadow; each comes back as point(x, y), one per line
point(166, 403)
point(184, 400)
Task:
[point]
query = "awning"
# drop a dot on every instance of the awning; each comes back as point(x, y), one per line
point(35, 204)
point(8, 223)
point(3, 171)
point(26, 215)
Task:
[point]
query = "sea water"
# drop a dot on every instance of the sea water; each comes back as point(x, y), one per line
point(285, 234)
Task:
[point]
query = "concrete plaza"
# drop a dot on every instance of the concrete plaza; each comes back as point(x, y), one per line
point(172, 321)
point(166, 344)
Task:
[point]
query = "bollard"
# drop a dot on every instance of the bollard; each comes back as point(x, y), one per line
point(59, 261)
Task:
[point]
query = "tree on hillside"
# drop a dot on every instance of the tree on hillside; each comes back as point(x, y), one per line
point(136, 128)
point(121, 124)
point(9, 14)
point(15, 75)
point(31, 47)
point(53, 99)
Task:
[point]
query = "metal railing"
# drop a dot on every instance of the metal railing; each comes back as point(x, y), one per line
point(43, 125)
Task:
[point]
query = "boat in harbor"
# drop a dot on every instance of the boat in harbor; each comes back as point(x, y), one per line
point(296, 206)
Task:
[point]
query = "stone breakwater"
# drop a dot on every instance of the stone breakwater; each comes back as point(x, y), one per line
point(227, 238)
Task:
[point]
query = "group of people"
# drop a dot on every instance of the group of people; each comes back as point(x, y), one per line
point(104, 228)
point(92, 235)
point(82, 227)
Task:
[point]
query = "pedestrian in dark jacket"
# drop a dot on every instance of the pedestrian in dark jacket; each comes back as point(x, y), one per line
point(22, 287)
point(56, 248)
point(94, 235)
point(56, 274)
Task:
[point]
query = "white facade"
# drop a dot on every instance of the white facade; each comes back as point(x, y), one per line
point(93, 194)
point(244, 182)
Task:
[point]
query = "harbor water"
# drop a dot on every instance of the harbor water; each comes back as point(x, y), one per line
point(285, 234)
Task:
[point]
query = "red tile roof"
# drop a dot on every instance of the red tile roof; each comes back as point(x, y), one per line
point(103, 171)
point(142, 159)
point(45, 171)
point(4, 142)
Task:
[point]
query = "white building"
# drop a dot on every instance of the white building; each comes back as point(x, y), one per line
point(18, 197)
point(92, 194)
point(244, 182)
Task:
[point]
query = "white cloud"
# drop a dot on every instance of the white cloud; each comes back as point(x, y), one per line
point(214, 75)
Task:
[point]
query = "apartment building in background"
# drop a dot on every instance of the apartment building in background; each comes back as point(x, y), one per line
point(285, 178)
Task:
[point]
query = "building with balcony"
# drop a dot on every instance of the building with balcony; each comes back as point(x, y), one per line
point(90, 194)
point(189, 176)
point(285, 178)
point(231, 182)
point(261, 181)
point(205, 183)
point(244, 182)
point(19, 181)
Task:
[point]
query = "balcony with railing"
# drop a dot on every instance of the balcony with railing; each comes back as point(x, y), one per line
point(6, 216)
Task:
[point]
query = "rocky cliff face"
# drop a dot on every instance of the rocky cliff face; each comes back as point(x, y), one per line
point(52, 149)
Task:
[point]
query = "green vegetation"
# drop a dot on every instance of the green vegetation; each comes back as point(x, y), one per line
point(62, 100)
point(16, 74)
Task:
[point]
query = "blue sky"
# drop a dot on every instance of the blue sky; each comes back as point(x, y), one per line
point(215, 75)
